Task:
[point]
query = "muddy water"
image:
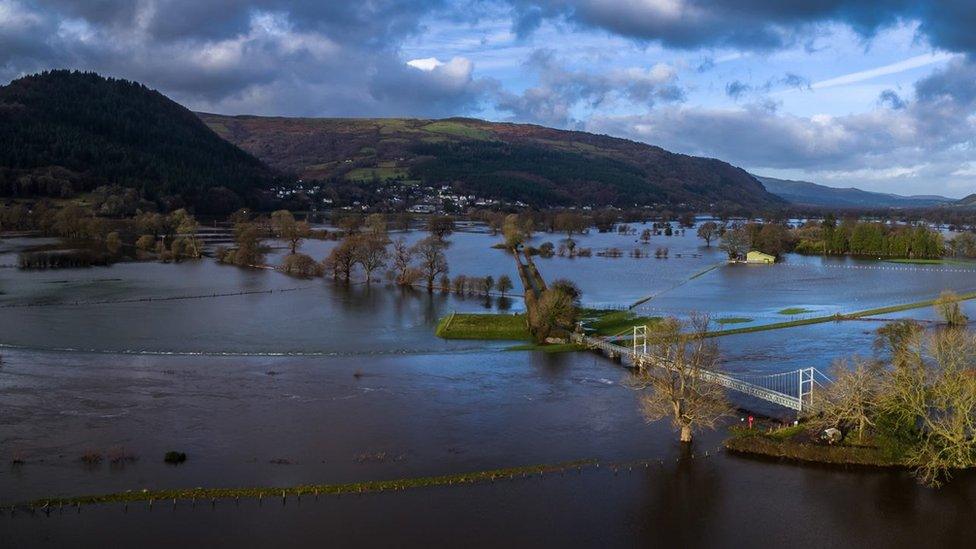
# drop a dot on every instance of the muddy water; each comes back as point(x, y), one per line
point(303, 381)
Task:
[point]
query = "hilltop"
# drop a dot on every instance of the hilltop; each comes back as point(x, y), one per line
point(66, 133)
point(532, 164)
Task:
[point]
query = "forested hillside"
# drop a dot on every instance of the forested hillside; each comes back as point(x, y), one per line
point(65, 133)
point(516, 162)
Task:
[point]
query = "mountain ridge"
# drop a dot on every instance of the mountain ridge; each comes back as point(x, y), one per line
point(805, 193)
point(533, 164)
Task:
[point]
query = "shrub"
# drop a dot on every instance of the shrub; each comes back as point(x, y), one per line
point(299, 264)
point(174, 457)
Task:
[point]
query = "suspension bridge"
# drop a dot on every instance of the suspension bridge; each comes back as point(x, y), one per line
point(792, 389)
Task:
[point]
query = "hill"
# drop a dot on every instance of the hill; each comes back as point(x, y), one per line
point(810, 194)
point(514, 162)
point(65, 133)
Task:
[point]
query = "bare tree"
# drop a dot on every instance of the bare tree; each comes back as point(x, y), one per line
point(676, 385)
point(440, 226)
point(851, 401)
point(369, 251)
point(433, 262)
point(736, 242)
point(504, 284)
point(708, 231)
point(402, 258)
point(341, 260)
point(948, 308)
point(288, 229)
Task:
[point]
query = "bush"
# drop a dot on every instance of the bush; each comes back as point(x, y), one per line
point(174, 457)
point(299, 264)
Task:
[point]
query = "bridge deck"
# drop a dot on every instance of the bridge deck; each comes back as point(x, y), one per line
point(725, 380)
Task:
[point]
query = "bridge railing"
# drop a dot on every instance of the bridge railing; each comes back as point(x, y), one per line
point(790, 389)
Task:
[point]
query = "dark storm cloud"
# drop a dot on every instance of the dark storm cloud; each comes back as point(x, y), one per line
point(754, 24)
point(262, 56)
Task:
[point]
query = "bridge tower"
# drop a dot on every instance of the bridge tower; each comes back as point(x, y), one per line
point(806, 387)
point(640, 340)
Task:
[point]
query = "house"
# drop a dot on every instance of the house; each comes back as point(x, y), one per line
point(759, 257)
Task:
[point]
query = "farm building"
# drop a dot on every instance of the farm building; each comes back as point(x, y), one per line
point(759, 257)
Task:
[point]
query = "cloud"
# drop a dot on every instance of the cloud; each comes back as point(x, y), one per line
point(892, 100)
point(923, 140)
point(736, 89)
point(263, 57)
point(757, 25)
point(561, 89)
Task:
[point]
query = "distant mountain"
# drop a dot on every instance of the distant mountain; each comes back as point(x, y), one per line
point(966, 202)
point(64, 133)
point(810, 194)
point(516, 162)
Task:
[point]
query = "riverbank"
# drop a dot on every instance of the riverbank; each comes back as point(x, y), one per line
point(799, 443)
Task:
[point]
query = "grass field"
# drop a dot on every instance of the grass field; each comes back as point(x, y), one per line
point(732, 320)
point(382, 173)
point(608, 323)
point(457, 128)
point(795, 311)
point(954, 262)
point(483, 326)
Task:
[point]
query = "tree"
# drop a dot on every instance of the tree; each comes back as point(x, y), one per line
point(516, 230)
point(947, 305)
point(433, 262)
point(301, 265)
point(186, 227)
point(931, 402)
point(570, 223)
point(146, 242)
point(370, 253)
point(673, 386)
point(736, 242)
point(852, 399)
point(376, 224)
point(555, 310)
point(290, 230)
point(645, 236)
point(440, 226)
point(113, 243)
point(402, 258)
point(248, 251)
point(341, 260)
point(708, 231)
point(487, 284)
point(504, 284)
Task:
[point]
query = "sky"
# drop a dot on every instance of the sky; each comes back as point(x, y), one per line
point(879, 95)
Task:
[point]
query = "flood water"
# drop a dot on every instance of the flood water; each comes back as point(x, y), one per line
point(282, 381)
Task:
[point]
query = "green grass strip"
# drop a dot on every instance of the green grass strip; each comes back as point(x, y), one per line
point(733, 320)
point(483, 326)
point(794, 311)
point(553, 348)
point(311, 489)
point(835, 317)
